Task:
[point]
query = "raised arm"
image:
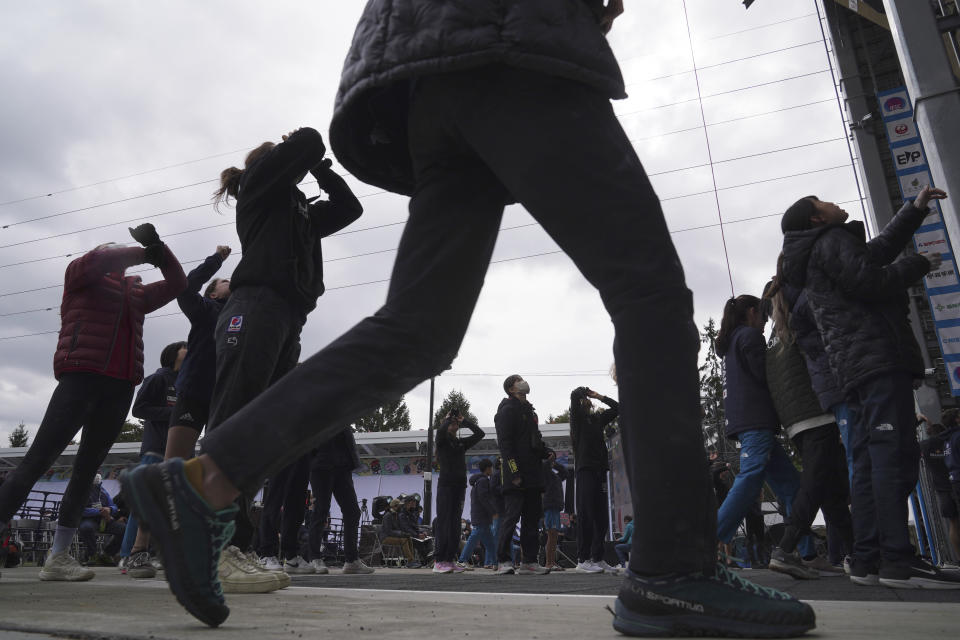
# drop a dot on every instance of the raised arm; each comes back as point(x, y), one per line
point(342, 208)
point(93, 265)
point(190, 300)
point(474, 437)
point(157, 294)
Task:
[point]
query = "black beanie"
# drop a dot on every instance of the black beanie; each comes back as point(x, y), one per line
point(797, 217)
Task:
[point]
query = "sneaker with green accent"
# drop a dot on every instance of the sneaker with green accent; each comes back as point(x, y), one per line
point(189, 533)
point(700, 604)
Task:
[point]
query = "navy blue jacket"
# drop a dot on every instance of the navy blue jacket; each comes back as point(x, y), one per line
point(198, 371)
point(951, 454)
point(746, 399)
point(154, 404)
point(482, 503)
point(804, 327)
point(553, 495)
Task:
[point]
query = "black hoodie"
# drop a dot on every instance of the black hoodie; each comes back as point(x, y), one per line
point(482, 504)
point(857, 291)
point(521, 445)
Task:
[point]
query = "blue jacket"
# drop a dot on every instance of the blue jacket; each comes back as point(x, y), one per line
point(746, 398)
point(198, 371)
point(951, 454)
point(99, 498)
point(482, 503)
point(627, 537)
point(154, 404)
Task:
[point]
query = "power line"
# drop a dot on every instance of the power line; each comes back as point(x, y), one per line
point(762, 26)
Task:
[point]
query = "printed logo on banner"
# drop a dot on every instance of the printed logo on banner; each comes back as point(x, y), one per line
point(950, 339)
point(912, 184)
point(895, 104)
point(946, 306)
point(901, 130)
point(945, 276)
point(931, 241)
point(908, 157)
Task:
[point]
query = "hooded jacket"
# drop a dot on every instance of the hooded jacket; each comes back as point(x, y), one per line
point(279, 232)
point(154, 404)
point(198, 372)
point(521, 445)
point(482, 505)
point(857, 291)
point(746, 399)
point(804, 328)
point(390, 528)
point(399, 40)
point(339, 452)
point(101, 315)
point(553, 493)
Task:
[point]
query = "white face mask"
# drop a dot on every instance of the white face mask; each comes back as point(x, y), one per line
point(523, 387)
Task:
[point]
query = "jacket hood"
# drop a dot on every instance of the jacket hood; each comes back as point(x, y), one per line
point(797, 246)
point(475, 478)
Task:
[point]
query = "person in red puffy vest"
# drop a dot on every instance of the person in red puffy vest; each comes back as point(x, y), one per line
point(98, 363)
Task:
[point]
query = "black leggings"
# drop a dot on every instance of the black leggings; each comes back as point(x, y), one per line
point(447, 529)
point(98, 404)
point(592, 518)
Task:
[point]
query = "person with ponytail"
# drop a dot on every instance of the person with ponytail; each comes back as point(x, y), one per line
point(813, 431)
point(272, 289)
point(751, 417)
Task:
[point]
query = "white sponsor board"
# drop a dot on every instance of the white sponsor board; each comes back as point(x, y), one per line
point(911, 185)
point(946, 306)
point(945, 276)
point(950, 338)
point(901, 130)
point(908, 156)
point(932, 242)
point(894, 104)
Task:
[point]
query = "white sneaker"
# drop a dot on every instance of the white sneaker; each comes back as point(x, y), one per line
point(271, 563)
point(319, 567)
point(505, 570)
point(606, 567)
point(64, 567)
point(589, 567)
point(298, 566)
point(282, 578)
point(239, 575)
point(355, 567)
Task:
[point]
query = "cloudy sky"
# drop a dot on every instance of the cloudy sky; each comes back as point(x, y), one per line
point(118, 113)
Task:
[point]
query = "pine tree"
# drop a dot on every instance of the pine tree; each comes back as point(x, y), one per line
point(19, 437)
point(393, 416)
point(454, 399)
point(131, 432)
point(561, 418)
point(711, 396)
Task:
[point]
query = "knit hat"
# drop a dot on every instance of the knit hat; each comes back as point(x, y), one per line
point(797, 217)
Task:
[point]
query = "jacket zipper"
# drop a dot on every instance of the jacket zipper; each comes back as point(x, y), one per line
point(116, 325)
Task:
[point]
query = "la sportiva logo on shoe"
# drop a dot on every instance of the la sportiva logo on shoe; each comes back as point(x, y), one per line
point(171, 504)
point(665, 600)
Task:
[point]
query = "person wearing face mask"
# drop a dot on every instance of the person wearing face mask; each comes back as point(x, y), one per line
point(98, 363)
point(523, 450)
point(591, 464)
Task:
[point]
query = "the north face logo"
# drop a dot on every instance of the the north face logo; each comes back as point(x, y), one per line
point(186, 416)
point(886, 426)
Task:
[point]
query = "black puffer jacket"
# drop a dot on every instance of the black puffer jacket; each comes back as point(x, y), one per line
point(397, 40)
point(804, 328)
point(482, 505)
point(858, 294)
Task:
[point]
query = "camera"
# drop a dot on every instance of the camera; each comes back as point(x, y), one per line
point(454, 413)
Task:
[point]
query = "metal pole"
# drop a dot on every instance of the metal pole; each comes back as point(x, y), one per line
point(935, 95)
point(428, 473)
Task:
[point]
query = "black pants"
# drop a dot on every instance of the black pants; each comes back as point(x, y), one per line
point(90, 527)
point(336, 483)
point(823, 485)
point(886, 467)
point(592, 520)
point(287, 491)
point(479, 139)
point(526, 507)
point(98, 404)
point(251, 356)
point(447, 528)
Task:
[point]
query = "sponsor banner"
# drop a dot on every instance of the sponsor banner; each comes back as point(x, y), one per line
point(901, 130)
point(946, 306)
point(932, 241)
point(953, 369)
point(895, 103)
point(908, 156)
point(945, 276)
point(912, 184)
point(950, 339)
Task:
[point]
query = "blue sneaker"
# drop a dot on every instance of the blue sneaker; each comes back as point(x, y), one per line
point(722, 604)
point(189, 533)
